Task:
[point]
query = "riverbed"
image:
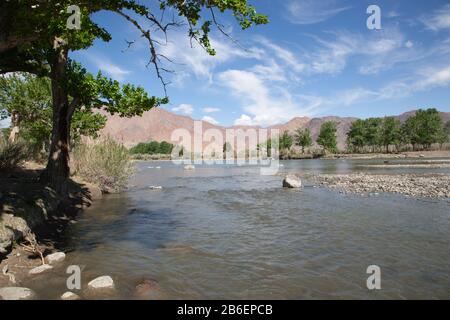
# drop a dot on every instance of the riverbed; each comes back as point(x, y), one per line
point(228, 232)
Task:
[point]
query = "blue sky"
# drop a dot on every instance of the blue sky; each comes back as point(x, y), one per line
point(314, 58)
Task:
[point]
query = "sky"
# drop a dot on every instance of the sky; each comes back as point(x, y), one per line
point(314, 58)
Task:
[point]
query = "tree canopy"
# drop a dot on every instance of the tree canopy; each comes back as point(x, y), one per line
point(327, 137)
point(303, 138)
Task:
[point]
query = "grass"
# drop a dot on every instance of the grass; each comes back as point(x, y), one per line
point(105, 163)
point(12, 154)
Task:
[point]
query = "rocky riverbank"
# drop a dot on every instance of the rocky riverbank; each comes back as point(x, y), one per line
point(33, 216)
point(413, 185)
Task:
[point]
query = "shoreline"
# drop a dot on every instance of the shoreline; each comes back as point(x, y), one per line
point(28, 207)
point(419, 186)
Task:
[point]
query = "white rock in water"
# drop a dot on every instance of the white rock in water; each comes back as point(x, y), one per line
point(189, 167)
point(40, 269)
point(155, 187)
point(292, 181)
point(104, 282)
point(55, 257)
point(16, 293)
point(70, 296)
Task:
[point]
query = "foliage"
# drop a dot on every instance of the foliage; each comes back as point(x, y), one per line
point(12, 154)
point(28, 98)
point(327, 137)
point(105, 163)
point(153, 147)
point(303, 138)
point(422, 129)
point(285, 141)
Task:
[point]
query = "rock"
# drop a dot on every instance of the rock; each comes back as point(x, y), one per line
point(40, 269)
point(148, 289)
point(70, 296)
point(16, 293)
point(94, 192)
point(421, 156)
point(55, 257)
point(292, 181)
point(104, 282)
point(189, 167)
point(155, 187)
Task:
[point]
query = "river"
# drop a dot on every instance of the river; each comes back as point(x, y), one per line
point(227, 232)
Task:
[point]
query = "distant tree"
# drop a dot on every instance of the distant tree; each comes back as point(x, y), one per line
point(303, 138)
point(286, 142)
point(372, 132)
point(165, 147)
point(327, 137)
point(356, 136)
point(390, 132)
point(447, 130)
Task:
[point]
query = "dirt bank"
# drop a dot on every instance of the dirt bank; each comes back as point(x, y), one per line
point(26, 206)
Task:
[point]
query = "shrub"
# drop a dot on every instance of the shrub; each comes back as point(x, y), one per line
point(105, 163)
point(12, 154)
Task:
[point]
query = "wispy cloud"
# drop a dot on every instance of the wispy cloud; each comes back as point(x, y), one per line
point(438, 20)
point(313, 11)
point(108, 67)
point(184, 108)
point(210, 110)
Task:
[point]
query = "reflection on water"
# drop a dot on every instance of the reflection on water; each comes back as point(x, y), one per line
point(228, 232)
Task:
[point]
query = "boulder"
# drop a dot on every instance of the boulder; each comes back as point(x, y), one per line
point(189, 167)
point(16, 293)
point(292, 181)
point(70, 296)
point(40, 269)
point(103, 282)
point(55, 257)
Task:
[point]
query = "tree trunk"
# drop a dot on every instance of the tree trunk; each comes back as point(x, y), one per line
point(15, 127)
point(57, 172)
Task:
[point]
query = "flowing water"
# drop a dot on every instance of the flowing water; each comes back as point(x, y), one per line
point(227, 232)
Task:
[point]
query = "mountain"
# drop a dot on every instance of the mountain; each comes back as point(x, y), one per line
point(159, 124)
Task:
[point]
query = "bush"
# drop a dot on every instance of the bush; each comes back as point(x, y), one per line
point(105, 163)
point(153, 147)
point(12, 154)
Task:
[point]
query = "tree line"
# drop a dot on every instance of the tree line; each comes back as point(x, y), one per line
point(418, 132)
point(153, 147)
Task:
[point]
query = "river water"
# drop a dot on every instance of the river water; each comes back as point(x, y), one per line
point(227, 232)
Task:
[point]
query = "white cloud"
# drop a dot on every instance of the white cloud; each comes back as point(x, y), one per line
point(244, 120)
point(108, 67)
point(210, 110)
point(438, 20)
point(184, 108)
point(409, 44)
point(312, 11)
point(264, 103)
point(193, 57)
point(210, 120)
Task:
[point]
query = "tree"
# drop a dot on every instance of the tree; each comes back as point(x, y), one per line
point(327, 137)
point(372, 132)
point(27, 99)
point(390, 132)
point(285, 142)
point(303, 138)
point(447, 131)
point(424, 128)
point(356, 136)
point(34, 38)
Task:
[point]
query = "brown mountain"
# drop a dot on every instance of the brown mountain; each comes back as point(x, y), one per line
point(158, 124)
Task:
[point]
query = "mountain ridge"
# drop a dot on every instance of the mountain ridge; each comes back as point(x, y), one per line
point(158, 125)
